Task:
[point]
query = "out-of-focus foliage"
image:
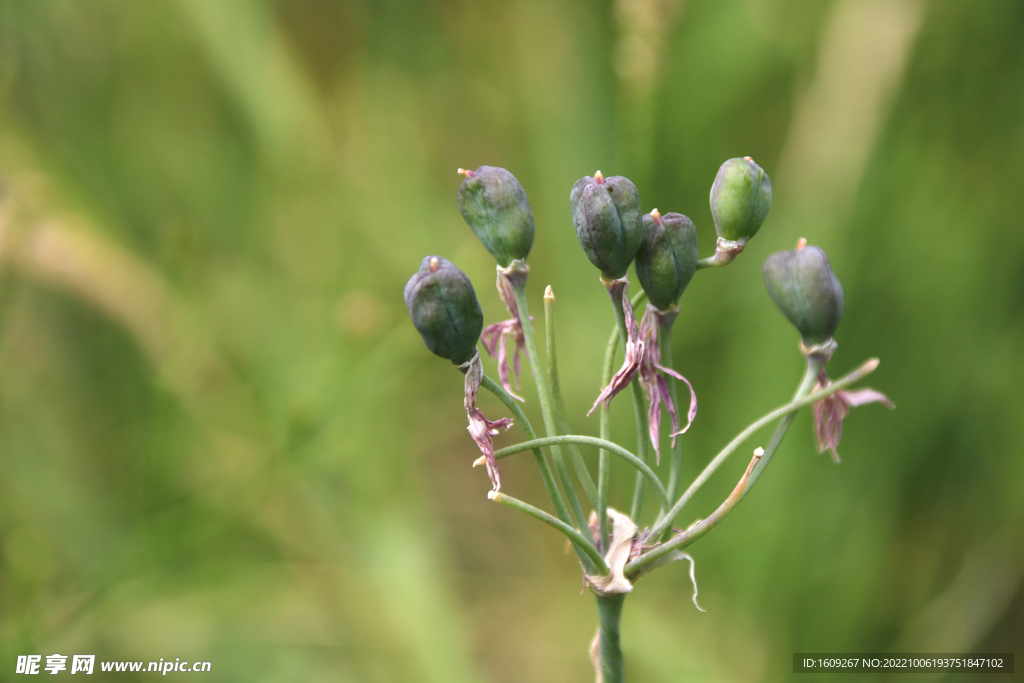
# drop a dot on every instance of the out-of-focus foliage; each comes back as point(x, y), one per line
point(221, 439)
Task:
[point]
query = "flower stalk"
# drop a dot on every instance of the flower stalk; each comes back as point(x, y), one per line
point(516, 275)
point(579, 465)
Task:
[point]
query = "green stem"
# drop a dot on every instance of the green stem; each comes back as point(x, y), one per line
point(519, 288)
point(603, 458)
point(675, 471)
point(608, 446)
point(814, 364)
point(542, 463)
point(557, 403)
point(596, 562)
point(802, 398)
point(609, 616)
point(725, 252)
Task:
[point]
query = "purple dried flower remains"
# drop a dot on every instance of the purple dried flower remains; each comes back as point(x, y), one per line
point(830, 412)
point(495, 337)
point(642, 355)
point(480, 428)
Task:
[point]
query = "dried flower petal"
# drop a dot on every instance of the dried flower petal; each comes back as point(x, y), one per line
point(495, 337)
point(495, 340)
point(643, 355)
point(480, 428)
point(829, 412)
point(655, 385)
point(634, 351)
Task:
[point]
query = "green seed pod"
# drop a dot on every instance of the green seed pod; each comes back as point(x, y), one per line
point(806, 290)
point(606, 214)
point(740, 199)
point(444, 309)
point(494, 204)
point(667, 258)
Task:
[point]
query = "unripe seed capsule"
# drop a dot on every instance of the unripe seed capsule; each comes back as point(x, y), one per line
point(740, 199)
point(444, 309)
point(606, 215)
point(667, 258)
point(805, 289)
point(495, 206)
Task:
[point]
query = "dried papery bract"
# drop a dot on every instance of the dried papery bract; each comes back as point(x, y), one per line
point(633, 348)
point(653, 381)
point(480, 428)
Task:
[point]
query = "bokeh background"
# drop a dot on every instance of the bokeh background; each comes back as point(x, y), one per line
point(222, 440)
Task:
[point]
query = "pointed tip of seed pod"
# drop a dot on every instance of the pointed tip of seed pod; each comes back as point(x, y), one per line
point(871, 365)
point(466, 172)
point(656, 216)
point(480, 462)
point(493, 495)
point(434, 265)
point(549, 294)
point(758, 452)
point(599, 177)
point(801, 243)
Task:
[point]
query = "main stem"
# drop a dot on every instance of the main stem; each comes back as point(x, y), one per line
point(609, 616)
point(550, 424)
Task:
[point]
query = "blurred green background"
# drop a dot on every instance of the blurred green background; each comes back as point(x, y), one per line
point(222, 440)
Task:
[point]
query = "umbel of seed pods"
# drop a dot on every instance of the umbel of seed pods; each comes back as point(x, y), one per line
point(613, 232)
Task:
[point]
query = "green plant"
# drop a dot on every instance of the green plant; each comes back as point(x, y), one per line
point(612, 550)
